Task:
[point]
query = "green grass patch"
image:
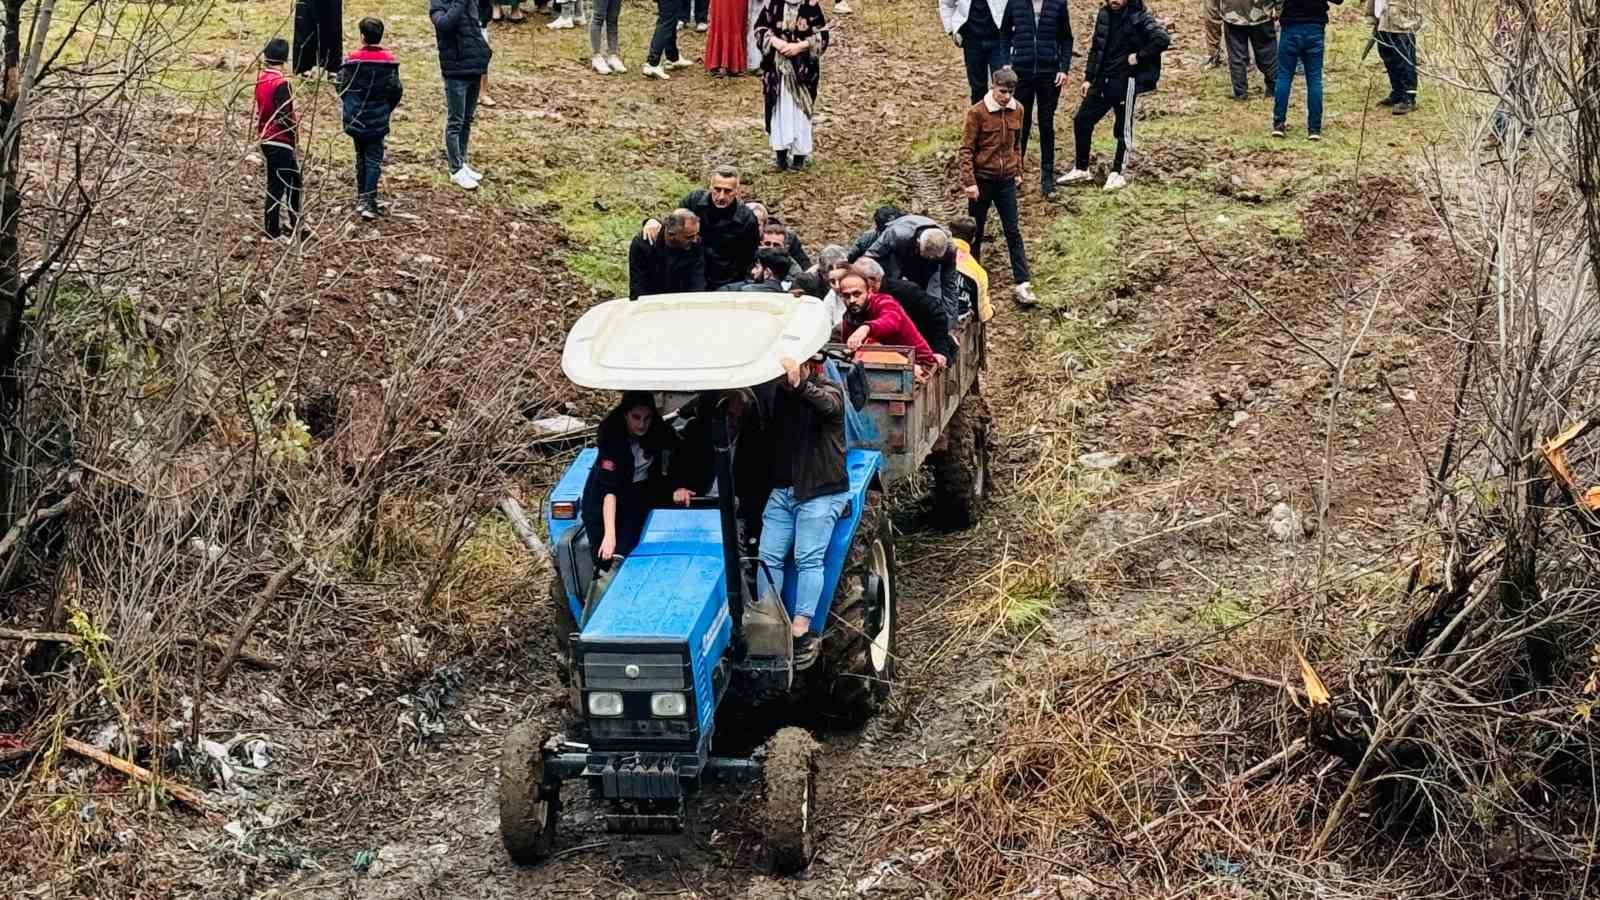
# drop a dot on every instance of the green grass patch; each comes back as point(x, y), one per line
point(1225, 609)
point(602, 213)
point(1027, 601)
point(946, 137)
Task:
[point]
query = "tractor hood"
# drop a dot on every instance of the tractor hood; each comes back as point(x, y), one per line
point(670, 588)
point(692, 342)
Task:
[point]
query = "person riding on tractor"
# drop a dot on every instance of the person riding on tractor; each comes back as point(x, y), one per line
point(628, 478)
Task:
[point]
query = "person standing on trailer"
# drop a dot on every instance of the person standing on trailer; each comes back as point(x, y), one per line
point(1124, 61)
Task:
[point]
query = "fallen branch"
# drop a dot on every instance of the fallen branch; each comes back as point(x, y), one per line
point(257, 609)
point(1295, 748)
point(186, 795)
point(519, 523)
point(47, 637)
point(248, 657)
point(23, 525)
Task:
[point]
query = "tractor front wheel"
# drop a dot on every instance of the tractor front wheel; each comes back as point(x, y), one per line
point(530, 802)
point(790, 775)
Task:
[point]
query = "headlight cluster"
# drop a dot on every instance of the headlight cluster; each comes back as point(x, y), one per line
point(663, 704)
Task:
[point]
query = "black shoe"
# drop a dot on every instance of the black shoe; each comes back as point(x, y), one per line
point(1388, 101)
point(799, 161)
point(782, 157)
point(1241, 96)
point(1404, 107)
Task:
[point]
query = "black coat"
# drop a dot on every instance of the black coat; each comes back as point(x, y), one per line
point(731, 237)
point(694, 463)
point(1118, 34)
point(656, 268)
point(612, 473)
point(1040, 45)
point(929, 317)
point(463, 50)
point(369, 89)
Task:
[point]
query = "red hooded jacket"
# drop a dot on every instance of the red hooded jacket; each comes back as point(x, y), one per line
point(887, 323)
point(276, 122)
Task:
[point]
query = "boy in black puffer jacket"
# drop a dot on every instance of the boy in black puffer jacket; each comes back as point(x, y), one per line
point(370, 89)
point(1124, 61)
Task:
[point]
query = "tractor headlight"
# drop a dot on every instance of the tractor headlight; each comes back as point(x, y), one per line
point(607, 704)
point(668, 704)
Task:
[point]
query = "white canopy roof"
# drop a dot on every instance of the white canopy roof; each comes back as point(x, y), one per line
point(692, 342)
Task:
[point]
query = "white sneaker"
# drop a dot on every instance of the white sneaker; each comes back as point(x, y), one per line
point(562, 22)
point(679, 63)
point(842, 8)
point(600, 65)
point(615, 62)
point(1074, 176)
point(1024, 294)
point(476, 175)
point(463, 179)
point(1115, 182)
point(656, 72)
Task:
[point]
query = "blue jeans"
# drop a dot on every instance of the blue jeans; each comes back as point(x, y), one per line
point(806, 528)
point(1296, 44)
point(460, 104)
point(369, 165)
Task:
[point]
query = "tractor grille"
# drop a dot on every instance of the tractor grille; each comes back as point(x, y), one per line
point(657, 672)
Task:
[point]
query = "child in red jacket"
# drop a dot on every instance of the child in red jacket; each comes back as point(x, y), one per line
point(276, 127)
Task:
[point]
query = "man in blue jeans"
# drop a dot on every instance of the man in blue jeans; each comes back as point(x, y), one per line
point(810, 490)
point(463, 59)
point(1302, 38)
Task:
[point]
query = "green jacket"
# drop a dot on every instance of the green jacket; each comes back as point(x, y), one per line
point(1398, 15)
point(1249, 12)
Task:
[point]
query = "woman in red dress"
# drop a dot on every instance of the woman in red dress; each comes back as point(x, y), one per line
point(725, 42)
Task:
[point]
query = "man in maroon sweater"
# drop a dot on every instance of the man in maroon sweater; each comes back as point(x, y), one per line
point(878, 319)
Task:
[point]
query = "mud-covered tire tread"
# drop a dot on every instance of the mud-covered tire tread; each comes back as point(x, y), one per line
point(844, 689)
point(790, 778)
point(959, 474)
point(527, 816)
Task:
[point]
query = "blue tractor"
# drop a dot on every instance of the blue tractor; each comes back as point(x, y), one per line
point(657, 649)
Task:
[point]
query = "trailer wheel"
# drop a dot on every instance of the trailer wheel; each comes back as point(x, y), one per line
point(790, 774)
point(530, 803)
point(855, 672)
point(961, 470)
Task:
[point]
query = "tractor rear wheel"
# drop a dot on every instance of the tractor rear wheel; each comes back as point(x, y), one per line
point(854, 672)
point(790, 775)
point(530, 803)
point(961, 470)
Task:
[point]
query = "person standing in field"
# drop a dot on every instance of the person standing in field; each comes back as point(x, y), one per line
point(991, 169)
point(1040, 36)
point(1395, 24)
point(605, 16)
point(463, 61)
point(369, 90)
point(664, 54)
point(975, 27)
point(1124, 61)
point(1302, 38)
point(318, 35)
point(277, 128)
point(1248, 27)
point(725, 42)
point(792, 35)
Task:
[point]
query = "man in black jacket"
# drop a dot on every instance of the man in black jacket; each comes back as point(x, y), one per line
point(1041, 53)
point(463, 59)
point(750, 434)
point(675, 262)
point(811, 489)
point(1124, 61)
point(728, 228)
